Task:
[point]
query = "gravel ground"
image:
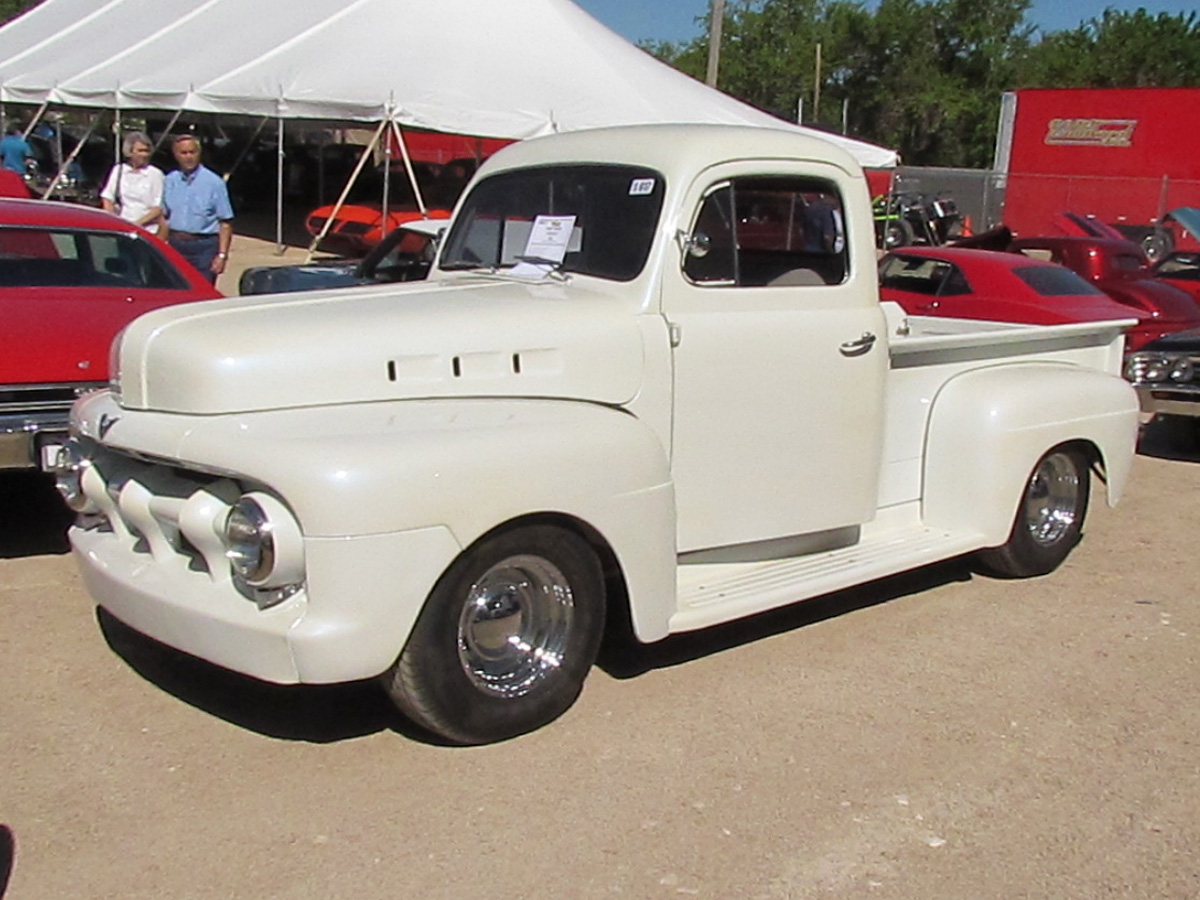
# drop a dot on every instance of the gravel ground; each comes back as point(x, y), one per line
point(935, 736)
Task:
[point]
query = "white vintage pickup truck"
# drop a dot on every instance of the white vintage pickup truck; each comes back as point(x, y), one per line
point(649, 374)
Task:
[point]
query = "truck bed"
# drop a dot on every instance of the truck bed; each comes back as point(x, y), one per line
point(929, 340)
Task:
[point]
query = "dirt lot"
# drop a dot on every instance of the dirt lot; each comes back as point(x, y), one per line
point(938, 736)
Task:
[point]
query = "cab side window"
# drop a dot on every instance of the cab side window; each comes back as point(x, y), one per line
point(768, 231)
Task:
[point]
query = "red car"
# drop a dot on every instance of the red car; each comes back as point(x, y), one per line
point(71, 277)
point(359, 225)
point(982, 284)
point(1122, 270)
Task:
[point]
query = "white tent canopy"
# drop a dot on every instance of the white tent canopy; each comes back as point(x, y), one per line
point(512, 69)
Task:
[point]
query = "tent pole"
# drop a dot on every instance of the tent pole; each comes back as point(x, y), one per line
point(279, 248)
point(37, 116)
point(387, 187)
point(408, 166)
point(245, 150)
point(362, 161)
point(71, 157)
point(162, 137)
point(117, 135)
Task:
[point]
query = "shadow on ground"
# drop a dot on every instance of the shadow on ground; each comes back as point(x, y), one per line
point(1176, 438)
point(313, 713)
point(8, 856)
point(328, 713)
point(623, 657)
point(33, 518)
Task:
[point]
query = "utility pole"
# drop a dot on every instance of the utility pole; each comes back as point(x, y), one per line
point(817, 87)
point(716, 20)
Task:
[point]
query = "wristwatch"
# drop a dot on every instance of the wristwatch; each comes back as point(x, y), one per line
point(222, 256)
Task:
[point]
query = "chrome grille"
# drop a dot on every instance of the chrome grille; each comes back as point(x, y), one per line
point(173, 516)
point(36, 398)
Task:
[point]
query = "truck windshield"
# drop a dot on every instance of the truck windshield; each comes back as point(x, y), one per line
point(612, 212)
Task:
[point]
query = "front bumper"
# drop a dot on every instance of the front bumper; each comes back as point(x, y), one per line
point(33, 422)
point(152, 556)
point(1169, 400)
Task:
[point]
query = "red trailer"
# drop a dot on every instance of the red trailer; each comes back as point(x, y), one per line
point(1126, 157)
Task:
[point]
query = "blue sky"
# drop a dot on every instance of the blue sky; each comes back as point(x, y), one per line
point(675, 20)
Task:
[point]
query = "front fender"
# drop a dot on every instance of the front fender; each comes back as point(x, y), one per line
point(465, 466)
point(989, 427)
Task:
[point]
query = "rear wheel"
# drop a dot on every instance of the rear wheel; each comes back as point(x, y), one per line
point(506, 638)
point(1049, 519)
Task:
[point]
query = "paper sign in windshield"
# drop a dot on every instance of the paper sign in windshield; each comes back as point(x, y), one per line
point(549, 240)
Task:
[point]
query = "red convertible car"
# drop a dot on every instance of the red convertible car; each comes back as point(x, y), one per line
point(966, 283)
point(71, 277)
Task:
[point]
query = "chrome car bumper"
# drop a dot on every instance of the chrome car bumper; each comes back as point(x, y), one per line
point(33, 422)
point(1173, 400)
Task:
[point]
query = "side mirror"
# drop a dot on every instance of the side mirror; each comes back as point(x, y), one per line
point(697, 245)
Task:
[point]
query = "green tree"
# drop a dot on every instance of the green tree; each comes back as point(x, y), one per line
point(9, 9)
point(923, 76)
point(1120, 49)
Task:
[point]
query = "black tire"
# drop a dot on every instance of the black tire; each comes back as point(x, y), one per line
point(505, 639)
point(897, 233)
point(1049, 519)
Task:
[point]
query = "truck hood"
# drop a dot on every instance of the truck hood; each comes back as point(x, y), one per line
point(471, 337)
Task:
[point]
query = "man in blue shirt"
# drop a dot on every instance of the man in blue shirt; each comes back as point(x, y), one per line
point(15, 150)
point(199, 215)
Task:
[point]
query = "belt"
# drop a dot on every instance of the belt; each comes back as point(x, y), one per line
point(189, 236)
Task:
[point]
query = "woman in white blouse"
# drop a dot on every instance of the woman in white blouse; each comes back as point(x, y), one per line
point(134, 188)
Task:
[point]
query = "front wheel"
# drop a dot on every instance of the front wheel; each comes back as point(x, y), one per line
point(505, 639)
point(1049, 519)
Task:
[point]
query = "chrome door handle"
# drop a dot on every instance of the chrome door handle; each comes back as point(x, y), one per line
point(859, 347)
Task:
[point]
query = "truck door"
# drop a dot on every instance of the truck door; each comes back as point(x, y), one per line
point(780, 357)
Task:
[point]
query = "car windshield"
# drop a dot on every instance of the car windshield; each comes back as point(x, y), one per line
point(612, 212)
point(1054, 281)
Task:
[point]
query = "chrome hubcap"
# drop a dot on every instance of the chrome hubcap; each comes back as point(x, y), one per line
point(514, 625)
point(1052, 500)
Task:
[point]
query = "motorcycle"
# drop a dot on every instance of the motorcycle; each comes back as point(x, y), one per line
point(909, 217)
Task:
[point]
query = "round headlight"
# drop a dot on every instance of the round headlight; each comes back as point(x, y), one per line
point(249, 543)
point(263, 542)
point(69, 471)
point(1182, 370)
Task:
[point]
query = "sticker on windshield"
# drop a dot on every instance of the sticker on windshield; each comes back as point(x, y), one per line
point(641, 187)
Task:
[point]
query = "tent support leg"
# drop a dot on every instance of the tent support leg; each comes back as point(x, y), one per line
point(387, 187)
point(279, 248)
point(167, 131)
point(408, 166)
point(37, 117)
point(362, 161)
point(71, 157)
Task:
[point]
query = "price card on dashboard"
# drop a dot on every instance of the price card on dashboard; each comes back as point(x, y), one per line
point(549, 237)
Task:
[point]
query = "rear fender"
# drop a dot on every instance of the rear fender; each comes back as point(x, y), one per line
point(989, 427)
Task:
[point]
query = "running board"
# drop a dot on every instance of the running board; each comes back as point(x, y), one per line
point(711, 593)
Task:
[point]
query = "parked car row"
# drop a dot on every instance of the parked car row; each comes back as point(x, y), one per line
point(1087, 273)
